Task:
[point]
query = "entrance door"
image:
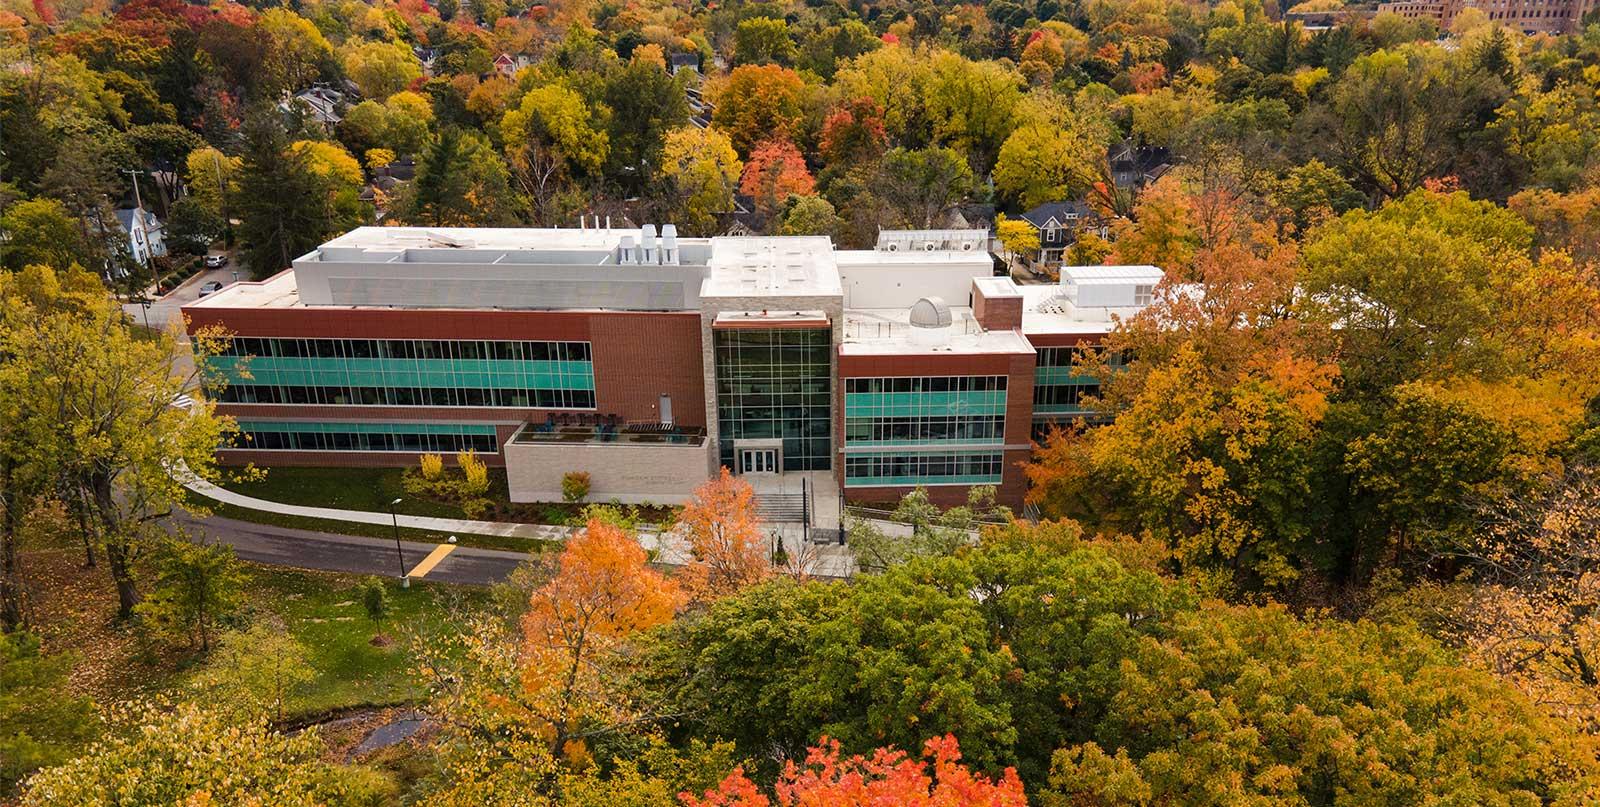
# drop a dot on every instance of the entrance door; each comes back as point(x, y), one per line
point(666, 409)
point(758, 460)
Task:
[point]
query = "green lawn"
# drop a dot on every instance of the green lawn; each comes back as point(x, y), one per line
point(324, 614)
point(116, 661)
point(368, 489)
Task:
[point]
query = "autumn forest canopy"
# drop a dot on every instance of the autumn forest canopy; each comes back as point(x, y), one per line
point(1332, 535)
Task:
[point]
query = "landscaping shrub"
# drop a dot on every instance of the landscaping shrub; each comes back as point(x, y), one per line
point(575, 486)
point(432, 466)
point(475, 474)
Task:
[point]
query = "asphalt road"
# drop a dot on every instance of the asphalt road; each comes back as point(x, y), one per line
point(307, 549)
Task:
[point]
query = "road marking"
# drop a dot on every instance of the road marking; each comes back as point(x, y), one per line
point(432, 560)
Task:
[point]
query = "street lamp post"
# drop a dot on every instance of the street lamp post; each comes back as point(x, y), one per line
point(394, 520)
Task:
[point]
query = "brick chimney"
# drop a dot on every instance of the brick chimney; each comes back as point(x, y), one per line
point(996, 303)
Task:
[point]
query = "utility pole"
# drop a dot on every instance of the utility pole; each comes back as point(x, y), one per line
point(222, 196)
point(138, 206)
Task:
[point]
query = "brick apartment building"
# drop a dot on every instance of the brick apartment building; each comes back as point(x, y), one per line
point(1528, 16)
point(650, 361)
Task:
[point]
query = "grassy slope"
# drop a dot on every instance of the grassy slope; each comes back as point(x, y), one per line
point(369, 489)
point(76, 609)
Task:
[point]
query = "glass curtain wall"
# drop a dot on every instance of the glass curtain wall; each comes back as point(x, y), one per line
point(776, 384)
point(921, 416)
point(407, 372)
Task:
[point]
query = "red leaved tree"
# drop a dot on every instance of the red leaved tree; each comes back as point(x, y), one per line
point(888, 777)
point(774, 171)
point(853, 134)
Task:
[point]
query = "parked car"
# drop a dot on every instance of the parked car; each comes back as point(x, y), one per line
point(209, 287)
point(216, 261)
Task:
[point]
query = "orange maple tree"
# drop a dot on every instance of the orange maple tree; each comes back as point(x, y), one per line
point(602, 592)
point(775, 171)
point(724, 533)
point(889, 776)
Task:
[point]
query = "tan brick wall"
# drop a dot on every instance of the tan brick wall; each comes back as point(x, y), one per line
point(627, 472)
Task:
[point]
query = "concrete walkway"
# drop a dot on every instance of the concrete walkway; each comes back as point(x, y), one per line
point(456, 526)
point(670, 549)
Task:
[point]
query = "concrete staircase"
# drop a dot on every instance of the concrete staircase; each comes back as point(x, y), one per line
point(781, 508)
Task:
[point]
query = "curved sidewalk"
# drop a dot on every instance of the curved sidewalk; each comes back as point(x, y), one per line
point(544, 532)
point(670, 549)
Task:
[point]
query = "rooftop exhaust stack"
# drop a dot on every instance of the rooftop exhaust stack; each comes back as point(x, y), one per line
point(647, 244)
point(669, 244)
point(625, 254)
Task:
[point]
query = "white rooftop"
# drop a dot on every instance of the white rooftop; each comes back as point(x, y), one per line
point(889, 332)
point(1088, 300)
point(772, 266)
point(1110, 275)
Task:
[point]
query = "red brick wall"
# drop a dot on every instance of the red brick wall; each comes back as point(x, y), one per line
point(636, 361)
point(997, 314)
point(1065, 339)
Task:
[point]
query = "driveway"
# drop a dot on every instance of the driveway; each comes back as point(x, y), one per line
point(165, 310)
point(351, 554)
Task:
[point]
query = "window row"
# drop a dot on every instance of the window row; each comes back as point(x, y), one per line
point(959, 383)
point(409, 396)
point(1059, 396)
point(1075, 356)
point(407, 349)
point(361, 437)
point(400, 373)
point(978, 468)
point(979, 428)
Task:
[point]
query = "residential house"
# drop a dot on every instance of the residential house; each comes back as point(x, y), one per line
point(144, 234)
point(1059, 225)
point(678, 62)
point(1134, 166)
point(321, 101)
point(508, 65)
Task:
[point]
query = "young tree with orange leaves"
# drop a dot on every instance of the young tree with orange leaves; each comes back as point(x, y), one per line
point(601, 593)
point(724, 532)
point(889, 776)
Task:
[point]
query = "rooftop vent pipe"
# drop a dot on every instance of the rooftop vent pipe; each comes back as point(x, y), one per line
point(647, 244)
point(669, 244)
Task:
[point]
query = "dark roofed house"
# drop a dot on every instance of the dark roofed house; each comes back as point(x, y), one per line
point(968, 216)
point(683, 61)
point(1059, 224)
point(1134, 166)
point(743, 219)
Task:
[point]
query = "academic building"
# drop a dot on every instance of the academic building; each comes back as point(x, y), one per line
point(650, 361)
point(1528, 16)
